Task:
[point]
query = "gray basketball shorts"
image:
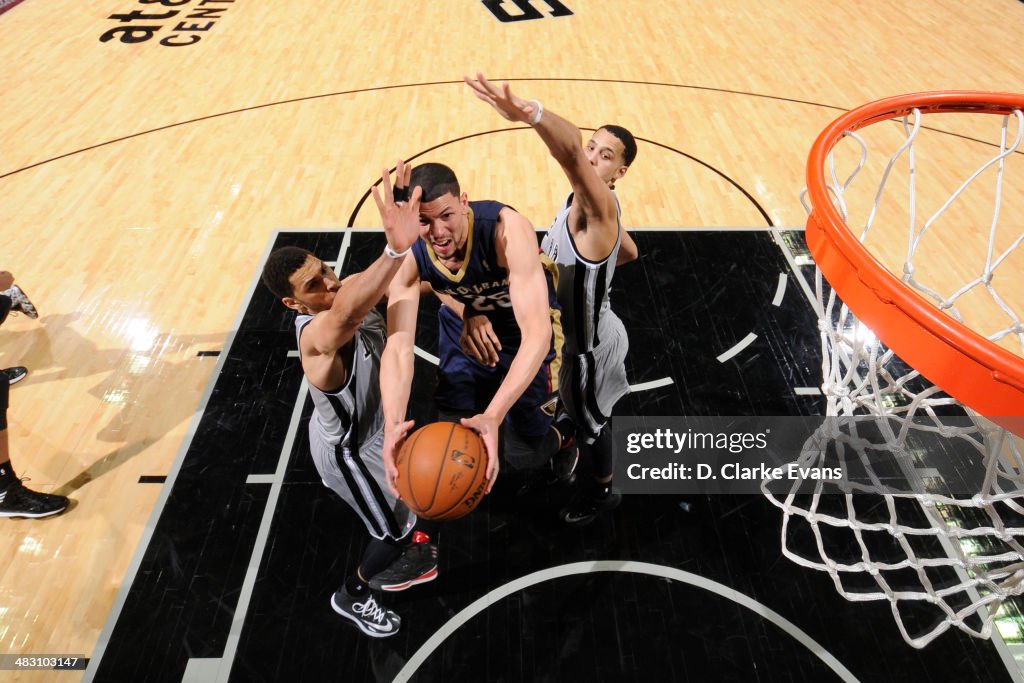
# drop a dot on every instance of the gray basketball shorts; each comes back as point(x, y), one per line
point(357, 475)
point(591, 383)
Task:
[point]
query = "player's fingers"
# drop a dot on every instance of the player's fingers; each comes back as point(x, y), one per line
point(488, 86)
point(385, 177)
point(405, 174)
point(488, 349)
point(390, 477)
point(470, 347)
point(494, 338)
point(376, 198)
point(492, 471)
point(474, 85)
point(414, 198)
point(399, 174)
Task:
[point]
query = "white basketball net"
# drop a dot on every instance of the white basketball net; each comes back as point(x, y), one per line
point(941, 558)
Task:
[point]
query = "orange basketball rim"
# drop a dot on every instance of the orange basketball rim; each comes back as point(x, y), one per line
point(978, 373)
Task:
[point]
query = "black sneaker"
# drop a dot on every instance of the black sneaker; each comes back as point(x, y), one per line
point(15, 374)
point(20, 302)
point(416, 564)
point(372, 619)
point(563, 462)
point(18, 501)
point(589, 503)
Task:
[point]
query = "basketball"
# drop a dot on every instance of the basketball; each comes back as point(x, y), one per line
point(441, 471)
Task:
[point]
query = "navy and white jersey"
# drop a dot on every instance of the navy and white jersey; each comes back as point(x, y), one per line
point(348, 415)
point(584, 286)
point(480, 283)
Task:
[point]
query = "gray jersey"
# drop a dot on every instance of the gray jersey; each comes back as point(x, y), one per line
point(346, 434)
point(592, 377)
point(583, 286)
point(351, 414)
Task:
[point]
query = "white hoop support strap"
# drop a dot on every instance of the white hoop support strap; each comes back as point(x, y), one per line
point(978, 373)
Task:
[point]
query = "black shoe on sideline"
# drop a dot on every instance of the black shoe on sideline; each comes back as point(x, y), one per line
point(15, 374)
point(18, 501)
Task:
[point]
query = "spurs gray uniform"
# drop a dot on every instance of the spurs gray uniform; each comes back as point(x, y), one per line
point(593, 373)
point(346, 435)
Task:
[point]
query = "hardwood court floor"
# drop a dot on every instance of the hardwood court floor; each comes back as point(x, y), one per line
point(142, 184)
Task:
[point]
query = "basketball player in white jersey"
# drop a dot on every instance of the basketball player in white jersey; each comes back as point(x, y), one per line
point(586, 241)
point(340, 339)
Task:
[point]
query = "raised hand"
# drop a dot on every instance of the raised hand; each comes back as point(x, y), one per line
point(504, 102)
point(400, 217)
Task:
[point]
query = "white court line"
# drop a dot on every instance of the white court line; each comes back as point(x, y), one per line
point(165, 491)
point(780, 290)
point(644, 386)
point(426, 356)
point(227, 659)
point(808, 292)
point(259, 547)
point(479, 605)
point(742, 344)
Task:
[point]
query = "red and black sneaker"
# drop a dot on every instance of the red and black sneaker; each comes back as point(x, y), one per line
point(417, 564)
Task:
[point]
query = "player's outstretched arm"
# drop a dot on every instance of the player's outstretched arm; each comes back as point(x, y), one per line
point(396, 363)
point(528, 293)
point(592, 195)
point(334, 328)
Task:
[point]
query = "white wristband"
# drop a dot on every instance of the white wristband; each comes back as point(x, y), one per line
point(537, 112)
point(391, 253)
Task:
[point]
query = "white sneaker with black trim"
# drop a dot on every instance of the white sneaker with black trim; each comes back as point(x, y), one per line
point(372, 619)
point(20, 302)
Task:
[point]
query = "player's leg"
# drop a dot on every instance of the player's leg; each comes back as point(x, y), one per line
point(594, 382)
point(355, 602)
point(598, 494)
point(357, 476)
point(5, 307)
point(416, 564)
point(15, 499)
point(531, 438)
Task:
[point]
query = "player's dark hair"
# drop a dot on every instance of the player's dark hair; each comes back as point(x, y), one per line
point(435, 180)
point(628, 143)
point(281, 265)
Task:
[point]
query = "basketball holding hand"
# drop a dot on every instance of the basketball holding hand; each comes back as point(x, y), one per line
point(438, 471)
point(441, 472)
